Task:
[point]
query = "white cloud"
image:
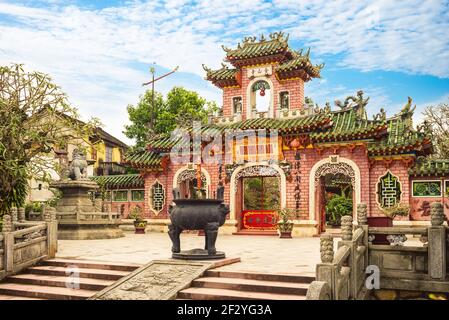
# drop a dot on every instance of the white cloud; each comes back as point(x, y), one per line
point(97, 54)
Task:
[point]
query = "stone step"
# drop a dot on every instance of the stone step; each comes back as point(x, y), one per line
point(256, 233)
point(8, 297)
point(44, 292)
point(259, 276)
point(83, 272)
point(226, 294)
point(252, 285)
point(91, 264)
point(59, 281)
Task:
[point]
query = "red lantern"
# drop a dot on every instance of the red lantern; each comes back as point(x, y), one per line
point(262, 91)
point(294, 144)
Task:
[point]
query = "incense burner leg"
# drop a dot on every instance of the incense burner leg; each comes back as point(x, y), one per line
point(211, 232)
point(174, 233)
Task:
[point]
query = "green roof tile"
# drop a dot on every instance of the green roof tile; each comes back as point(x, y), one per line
point(425, 167)
point(120, 181)
point(143, 158)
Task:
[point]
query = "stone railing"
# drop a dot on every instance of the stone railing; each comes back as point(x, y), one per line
point(89, 217)
point(24, 243)
point(226, 120)
point(341, 275)
point(402, 266)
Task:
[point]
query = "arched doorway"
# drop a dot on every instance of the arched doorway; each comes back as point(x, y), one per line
point(185, 179)
point(333, 178)
point(260, 98)
point(257, 192)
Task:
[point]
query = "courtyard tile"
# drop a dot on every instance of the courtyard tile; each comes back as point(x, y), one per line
point(258, 253)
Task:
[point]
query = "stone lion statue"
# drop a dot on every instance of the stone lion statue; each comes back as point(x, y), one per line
point(78, 167)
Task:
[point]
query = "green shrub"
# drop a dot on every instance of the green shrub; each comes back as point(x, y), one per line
point(337, 207)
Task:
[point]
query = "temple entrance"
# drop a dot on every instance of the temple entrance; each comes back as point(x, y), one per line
point(261, 200)
point(257, 198)
point(335, 191)
point(337, 199)
point(187, 183)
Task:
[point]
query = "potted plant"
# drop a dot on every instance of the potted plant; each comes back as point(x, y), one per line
point(337, 207)
point(285, 225)
point(139, 222)
point(387, 221)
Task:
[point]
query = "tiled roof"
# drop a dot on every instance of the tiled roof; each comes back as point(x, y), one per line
point(120, 181)
point(346, 125)
point(392, 136)
point(430, 168)
point(298, 124)
point(275, 49)
point(143, 158)
point(401, 138)
point(252, 48)
point(223, 77)
point(288, 68)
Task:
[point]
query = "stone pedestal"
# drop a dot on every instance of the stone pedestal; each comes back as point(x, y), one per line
point(77, 216)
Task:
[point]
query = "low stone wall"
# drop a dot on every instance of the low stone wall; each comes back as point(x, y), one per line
point(23, 243)
point(385, 294)
point(402, 268)
point(2, 257)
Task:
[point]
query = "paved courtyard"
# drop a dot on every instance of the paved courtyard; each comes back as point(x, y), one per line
point(258, 253)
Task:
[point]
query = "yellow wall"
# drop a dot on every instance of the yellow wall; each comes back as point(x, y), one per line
point(116, 155)
point(101, 153)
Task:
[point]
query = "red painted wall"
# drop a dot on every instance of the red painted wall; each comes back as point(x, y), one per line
point(295, 88)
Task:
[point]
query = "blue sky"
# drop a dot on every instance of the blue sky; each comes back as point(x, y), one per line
point(100, 51)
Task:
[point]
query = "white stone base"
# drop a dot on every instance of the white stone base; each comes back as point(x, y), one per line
point(301, 228)
point(305, 228)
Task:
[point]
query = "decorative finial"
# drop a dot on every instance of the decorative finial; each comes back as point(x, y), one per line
point(226, 49)
point(308, 52)
point(206, 68)
point(262, 38)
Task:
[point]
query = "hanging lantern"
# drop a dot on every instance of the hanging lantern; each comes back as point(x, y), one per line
point(262, 91)
point(294, 144)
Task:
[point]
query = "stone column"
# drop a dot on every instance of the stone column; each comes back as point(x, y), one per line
point(21, 215)
point(346, 228)
point(326, 270)
point(14, 215)
point(362, 218)
point(8, 242)
point(327, 248)
point(437, 242)
point(7, 224)
point(52, 231)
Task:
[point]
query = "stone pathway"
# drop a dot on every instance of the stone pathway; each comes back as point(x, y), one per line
point(258, 253)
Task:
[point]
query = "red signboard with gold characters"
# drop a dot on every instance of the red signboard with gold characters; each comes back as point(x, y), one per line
point(259, 219)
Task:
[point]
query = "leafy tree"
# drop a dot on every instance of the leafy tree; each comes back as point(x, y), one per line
point(179, 105)
point(337, 207)
point(35, 117)
point(438, 119)
point(139, 116)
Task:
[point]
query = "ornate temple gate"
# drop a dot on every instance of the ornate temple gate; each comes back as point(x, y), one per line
point(186, 181)
point(333, 167)
point(255, 219)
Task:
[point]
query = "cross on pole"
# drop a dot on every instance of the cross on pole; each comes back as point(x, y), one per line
point(152, 109)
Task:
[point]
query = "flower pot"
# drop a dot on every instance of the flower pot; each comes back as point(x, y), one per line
point(380, 222)
point(140, 226)
point(285, 230)
point(285, 234)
